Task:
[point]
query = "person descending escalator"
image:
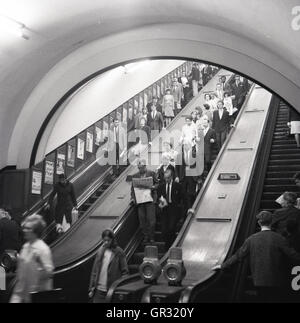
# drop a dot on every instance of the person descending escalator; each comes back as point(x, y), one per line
point(66, 201)
point(110, 265)
point(144, 196)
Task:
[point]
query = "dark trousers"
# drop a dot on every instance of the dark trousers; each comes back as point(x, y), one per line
point(60, 212)
point(221, 137)
point(169, 219)
point(116, 165)
point(147, 219)
point(99, 297)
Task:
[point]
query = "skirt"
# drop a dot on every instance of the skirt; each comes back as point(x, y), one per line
point(295, 127)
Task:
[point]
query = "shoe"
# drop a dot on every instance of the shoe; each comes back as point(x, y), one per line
point(152, 241)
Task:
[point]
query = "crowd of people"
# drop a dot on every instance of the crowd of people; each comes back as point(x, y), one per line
point(171, 193)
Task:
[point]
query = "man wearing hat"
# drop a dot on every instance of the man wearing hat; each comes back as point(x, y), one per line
point(269, 256)
point(66, 200)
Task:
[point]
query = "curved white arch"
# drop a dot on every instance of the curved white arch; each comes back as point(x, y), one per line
point(180, 40)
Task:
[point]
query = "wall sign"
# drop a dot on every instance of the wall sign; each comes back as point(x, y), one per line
point(36, 185)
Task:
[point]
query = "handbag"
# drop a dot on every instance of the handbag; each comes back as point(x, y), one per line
point(75, 214)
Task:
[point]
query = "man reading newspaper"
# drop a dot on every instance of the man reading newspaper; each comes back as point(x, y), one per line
point(143, 194)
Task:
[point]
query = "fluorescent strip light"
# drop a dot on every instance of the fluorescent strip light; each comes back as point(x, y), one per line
point(11, 26)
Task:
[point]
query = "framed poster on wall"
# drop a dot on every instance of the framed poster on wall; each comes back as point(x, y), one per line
point(80, 149)
point(98, 133)
point(49, 172)
point(36, 185)
point(60, 164)
point(71, 156)
point(89, 142)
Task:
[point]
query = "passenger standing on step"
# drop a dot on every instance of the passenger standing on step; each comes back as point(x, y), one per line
point(221, 123)
point(169, 201)
point(268, 252)
point(66, 200)
point(168, 105)
point(146, 211)
point(110, 265)
point(287, 213)
point(209, 142)
point(294, 122)
point(177, 92)
point(117, 146)
point(195, 75)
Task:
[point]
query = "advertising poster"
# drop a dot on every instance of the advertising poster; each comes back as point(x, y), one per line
point(71, 156)
point(89, 142)
point(98, 136)
point(60, 164)
point(49, 172)
point(80, 149)
point(36, 187)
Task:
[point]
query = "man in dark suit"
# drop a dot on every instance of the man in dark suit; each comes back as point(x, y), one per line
point(206, 74)
point(209, 140)
point(195, 76)
point(155, 120)
point(221, 123)
point(169, 198)
point(268, 252)
point(66, 200)
point(146, 211)
point(117, 146)
point(155, 104)
point(239, 89)
point(288, 213)
point(10, 233)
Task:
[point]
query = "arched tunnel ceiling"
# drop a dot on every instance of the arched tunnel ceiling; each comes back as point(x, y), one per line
point(234, 33)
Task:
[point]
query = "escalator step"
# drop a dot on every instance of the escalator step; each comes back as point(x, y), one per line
point(286, 174)
point(283, 168)
point(265, 204)
point(280, 188)
point(279, 181)
point(280, 162)
point(284, 157)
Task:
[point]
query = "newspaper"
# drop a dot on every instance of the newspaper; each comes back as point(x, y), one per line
point(281, 199)
point(142, 189)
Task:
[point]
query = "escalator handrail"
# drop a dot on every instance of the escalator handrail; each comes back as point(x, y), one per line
point(214, 277)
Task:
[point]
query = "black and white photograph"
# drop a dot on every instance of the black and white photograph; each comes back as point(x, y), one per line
point(150, 155)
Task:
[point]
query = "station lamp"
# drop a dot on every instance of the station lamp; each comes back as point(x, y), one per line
point(150, 269)
point(174, 271)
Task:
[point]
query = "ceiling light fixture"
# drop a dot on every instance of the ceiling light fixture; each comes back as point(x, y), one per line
point(13, 27)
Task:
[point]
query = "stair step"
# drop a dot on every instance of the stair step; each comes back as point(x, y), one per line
point(286, 162)
point(138, 257)
point(160, 246)
point(283, 168)
point(276, 146)
point(271, 196)
point(279, 181)
point(266, 204)
point(286, 151)
point(284, 157)
point(282, 174)
point(280, 188)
